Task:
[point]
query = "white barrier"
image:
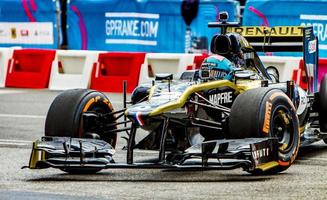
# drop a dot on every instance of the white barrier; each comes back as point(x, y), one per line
point(156, 63)
point(72, 69)
point(5, 55)
point(285, 65)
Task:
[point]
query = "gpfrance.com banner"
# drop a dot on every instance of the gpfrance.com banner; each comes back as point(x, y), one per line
point(300, 12)
point(128, 25)
point(139, 25)
point(29, 23)
point(132, 28)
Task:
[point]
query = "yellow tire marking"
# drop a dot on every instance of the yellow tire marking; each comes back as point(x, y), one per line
point(283, 147)
point(97, 98)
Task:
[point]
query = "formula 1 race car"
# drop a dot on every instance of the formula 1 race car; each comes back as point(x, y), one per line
point(250, 120)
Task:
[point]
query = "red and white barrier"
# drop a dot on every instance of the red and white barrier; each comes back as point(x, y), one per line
point(198, 59)
point(299, 73)
point(298, 76)
point(72, 69)
point(285, 65)
point(5, 55)
point(106, 71)
point(29, 68)
point(322, 70)
point(112, 69)
point(156, 63)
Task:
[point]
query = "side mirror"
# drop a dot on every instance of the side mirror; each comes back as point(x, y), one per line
point(273, 73)
point(164, 76)
point(192, 75)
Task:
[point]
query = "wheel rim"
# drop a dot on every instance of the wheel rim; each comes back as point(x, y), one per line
point(283, 128)
point(101, 108)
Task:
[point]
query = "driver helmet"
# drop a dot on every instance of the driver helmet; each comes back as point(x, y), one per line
point(216, 67)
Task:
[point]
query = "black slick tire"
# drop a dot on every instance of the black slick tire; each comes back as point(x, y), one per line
point(64, 117)
point(323, 105)
point(267, 112)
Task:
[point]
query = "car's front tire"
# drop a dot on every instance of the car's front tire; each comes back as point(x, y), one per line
point(267, 112)
point(64, 118)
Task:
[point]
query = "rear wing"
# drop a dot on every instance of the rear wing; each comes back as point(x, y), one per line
point(281, 39)
point(273, 39)
point(285, 39)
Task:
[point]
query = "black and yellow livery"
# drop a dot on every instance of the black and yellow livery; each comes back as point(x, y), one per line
point(252, 121)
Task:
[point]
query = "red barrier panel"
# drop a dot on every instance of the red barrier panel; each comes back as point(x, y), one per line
point(30, 68)
point(113, 68)
point(322, 70)
point(199, 59)
point(299, 74)
point(197, 62)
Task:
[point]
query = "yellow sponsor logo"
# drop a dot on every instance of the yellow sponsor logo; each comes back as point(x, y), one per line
point(261, 31)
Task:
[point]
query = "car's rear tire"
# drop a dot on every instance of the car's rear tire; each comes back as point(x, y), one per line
point(64, 118)
point(323, 105)
point(267, 112)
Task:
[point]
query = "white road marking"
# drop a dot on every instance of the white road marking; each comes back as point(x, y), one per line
point(7, 91)
point(9, 142)
point(15, 144)
point(15, 141)
point(22, 116)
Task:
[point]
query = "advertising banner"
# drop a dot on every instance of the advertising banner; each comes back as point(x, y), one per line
point(311, 59)
point(132, 28)
point(300, 12)
point(29, 23)
point(26, 33)
point(140, 25)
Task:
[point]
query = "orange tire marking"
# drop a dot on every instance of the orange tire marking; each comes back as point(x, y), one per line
point(266, 123)
point(88, 104)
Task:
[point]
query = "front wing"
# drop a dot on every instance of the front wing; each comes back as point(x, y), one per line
point(76, 153)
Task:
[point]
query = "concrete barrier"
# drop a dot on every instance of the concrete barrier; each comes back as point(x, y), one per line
point(72, 69)
point(5, 55)
point(285, 65)
point(173, 63)
point(29, 68)
point(113, 68)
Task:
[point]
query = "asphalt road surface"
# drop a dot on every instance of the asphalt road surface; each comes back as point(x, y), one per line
point(22, 116)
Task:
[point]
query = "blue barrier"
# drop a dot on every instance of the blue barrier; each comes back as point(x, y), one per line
point(139, 25)
point(29, 23)
point(290, 12)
